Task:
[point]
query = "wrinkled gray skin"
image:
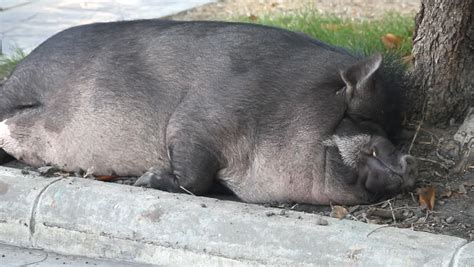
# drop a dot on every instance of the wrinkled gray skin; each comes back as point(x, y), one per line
point(271, 114)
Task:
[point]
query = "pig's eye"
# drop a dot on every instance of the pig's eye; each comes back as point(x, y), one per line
point(373, 152)
point(341, 91)
point(370, 152)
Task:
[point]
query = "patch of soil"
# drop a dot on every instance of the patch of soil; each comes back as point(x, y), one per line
point(354, 9)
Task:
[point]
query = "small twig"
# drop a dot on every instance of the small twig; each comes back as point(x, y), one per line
point(459, 167)
point(413, 198)
point(433, 161)
point(432, 138)
point(391, 209)
point(381, 202)
point(406, 208)
point(353, 217)
point(89, 172)
point(294, 206)
point(36, 262)
point(385, 213)
point(427, 215)
point(426, 143)
point(187, 191)
point(430, 133)
point(414, 137)
point(445, 160)
point(465, 152)
point(440, 157)
point(376, 229)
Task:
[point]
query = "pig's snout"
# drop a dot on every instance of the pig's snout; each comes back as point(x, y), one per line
point(386, 178)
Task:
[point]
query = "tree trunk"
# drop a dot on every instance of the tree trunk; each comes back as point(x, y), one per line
point(443, 51)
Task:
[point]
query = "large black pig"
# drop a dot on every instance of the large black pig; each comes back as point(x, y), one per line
point(271, 114)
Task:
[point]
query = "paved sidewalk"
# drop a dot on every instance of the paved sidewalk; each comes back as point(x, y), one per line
point(26, 23)
point(82, 217)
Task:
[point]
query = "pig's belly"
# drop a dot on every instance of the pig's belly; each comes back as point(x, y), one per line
point(99, 144)
point(281, 178)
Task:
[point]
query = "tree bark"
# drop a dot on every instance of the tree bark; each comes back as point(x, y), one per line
point(443, 57)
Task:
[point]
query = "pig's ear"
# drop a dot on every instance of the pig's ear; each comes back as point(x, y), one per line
point(357, 76)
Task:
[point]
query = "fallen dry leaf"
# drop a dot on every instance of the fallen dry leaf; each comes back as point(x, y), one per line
point(469, 184)
point(253, 17)
point(386, 214)
point(427, 196)
point(331, 26)
point(391, 41)
point(462, 189)
point(338, 212)
point(354, 254)
point(446, 193)
point(321, 221)
point(105, 177)
point(408, 60)
point(62, 174)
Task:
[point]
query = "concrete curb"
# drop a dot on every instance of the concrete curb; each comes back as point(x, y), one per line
point(16, 256)
point(82, 217)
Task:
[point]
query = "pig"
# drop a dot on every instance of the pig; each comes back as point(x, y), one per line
point(273, 115)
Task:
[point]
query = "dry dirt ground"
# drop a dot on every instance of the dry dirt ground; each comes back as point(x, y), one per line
point(444, 199)
point(357, 9)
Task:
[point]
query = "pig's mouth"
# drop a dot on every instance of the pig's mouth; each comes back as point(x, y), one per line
point(384, 179)
point(391, 168)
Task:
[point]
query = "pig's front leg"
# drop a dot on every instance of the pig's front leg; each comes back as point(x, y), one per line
point(192, 169)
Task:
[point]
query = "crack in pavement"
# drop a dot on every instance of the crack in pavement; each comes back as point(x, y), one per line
point(15, 6)
point(32, 223)
point(12, 28)
point(166, 244)
point(38, 261)
point(455, 258)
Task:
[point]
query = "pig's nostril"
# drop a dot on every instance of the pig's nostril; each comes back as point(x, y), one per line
point(409, 164)
point(409, 159)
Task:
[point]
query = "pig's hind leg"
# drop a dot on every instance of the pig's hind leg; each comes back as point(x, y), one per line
point(192, 170)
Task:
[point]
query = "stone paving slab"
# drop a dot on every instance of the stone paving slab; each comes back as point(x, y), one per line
point(16, 256)
point(25, 24)
point(82, 217)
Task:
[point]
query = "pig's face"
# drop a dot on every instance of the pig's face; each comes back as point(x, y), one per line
point(372, 168)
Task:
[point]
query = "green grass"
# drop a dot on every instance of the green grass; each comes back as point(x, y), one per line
point(363, 36)
point(8, 63)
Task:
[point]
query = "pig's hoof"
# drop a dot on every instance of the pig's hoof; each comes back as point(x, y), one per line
point(158, 179)
point(144, 180)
